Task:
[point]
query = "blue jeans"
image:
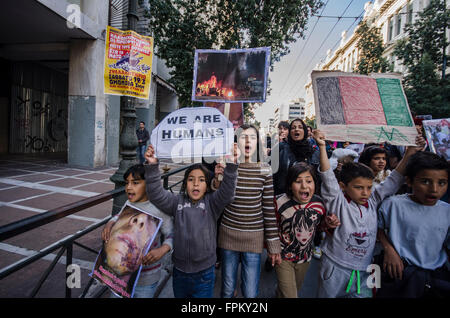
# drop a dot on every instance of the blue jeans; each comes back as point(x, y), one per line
point(194, 285)
point(140, 153)
point(250, 272)
point(147, 291)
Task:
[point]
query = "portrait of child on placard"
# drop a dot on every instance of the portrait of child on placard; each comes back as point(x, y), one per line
point(119, 262)
point(438, 136)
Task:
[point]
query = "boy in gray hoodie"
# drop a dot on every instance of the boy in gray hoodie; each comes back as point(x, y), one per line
point(348, 250)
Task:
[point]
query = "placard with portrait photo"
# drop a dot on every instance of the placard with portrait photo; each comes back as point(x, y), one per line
point(119, 262)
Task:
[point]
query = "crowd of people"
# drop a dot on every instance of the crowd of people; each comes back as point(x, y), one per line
point(349, 205)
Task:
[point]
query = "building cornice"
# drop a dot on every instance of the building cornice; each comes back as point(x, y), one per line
point(386, 6)
point(338, 52)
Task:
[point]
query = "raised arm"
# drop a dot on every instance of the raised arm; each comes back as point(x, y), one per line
point(156, 194)
point(319, 137)
point(410, 150)
point(227, 187)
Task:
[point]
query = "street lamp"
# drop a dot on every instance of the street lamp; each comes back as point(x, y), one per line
point(128, 140)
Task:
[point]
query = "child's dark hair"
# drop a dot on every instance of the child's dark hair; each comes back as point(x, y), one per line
point(369, 152)
point(258, 146)
point(283, 124)
point(137, 171)
point(353, 170)
point(293, 173)
point(425, 160)
point(206, 172)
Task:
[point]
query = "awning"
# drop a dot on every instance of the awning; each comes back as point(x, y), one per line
point(159, 80)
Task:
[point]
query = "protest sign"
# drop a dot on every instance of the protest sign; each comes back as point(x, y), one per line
point(193, 132)
point(231, 75)
point(234, 112)
point(360, 108)
point(119, 262)
point(128, 63)
point(438, 136)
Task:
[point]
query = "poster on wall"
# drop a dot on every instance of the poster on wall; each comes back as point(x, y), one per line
point(438, 136)
point(233, 111)
point(362, 109)
point(128, 63)
point(119, 262)
point(193, 132)
point(238, 75)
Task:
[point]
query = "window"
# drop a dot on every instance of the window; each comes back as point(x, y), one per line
point(399, 24)
point(410, 13)
point(390, 29)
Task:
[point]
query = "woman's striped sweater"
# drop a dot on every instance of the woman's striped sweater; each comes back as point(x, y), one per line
point(250, 219)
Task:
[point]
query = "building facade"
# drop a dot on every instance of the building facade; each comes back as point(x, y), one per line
point(51, 97)
point(297, 109)
point(390, 16)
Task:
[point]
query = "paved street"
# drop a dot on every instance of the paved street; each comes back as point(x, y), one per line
point(33, 185)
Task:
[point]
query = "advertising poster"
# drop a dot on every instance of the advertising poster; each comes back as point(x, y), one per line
point(362, 109)
point(119, 262)
point(238, 75)
point(128, 63)
point(438, 136)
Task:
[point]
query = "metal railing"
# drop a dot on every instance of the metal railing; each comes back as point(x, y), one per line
point(66, 244)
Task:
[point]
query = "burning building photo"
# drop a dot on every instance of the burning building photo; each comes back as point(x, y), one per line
point(231, 76)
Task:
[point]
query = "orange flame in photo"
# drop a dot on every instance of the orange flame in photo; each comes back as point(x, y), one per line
point(212, 87)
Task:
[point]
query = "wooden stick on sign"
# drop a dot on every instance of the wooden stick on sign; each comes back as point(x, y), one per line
point(226, 112)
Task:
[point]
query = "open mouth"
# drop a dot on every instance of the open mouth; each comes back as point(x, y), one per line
point(247, 148)
point(128, 241)
point(132, 258)
point(431, 198)
point(195, 192)
point(303, 196)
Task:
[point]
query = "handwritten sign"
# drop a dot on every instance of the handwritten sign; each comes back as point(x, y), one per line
point(364, 109)
point(193, 132)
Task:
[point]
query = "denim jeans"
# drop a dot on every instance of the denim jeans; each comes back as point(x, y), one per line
point(145, 291)
point(194, 285)
point(250, 272)
point(140, 153)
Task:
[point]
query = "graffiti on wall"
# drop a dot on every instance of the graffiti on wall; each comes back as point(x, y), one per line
point(39, 121)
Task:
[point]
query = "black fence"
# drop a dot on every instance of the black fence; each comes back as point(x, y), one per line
point(66, 244)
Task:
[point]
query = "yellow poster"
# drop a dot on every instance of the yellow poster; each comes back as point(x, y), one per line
point(128, 63)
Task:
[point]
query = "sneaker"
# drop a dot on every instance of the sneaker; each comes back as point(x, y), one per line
point(317, 252)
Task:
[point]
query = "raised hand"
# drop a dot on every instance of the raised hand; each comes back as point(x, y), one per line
point(319, 137)
point(236, 153)
point(150, 155)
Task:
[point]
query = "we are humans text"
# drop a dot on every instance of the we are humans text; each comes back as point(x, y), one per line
point(191, 133)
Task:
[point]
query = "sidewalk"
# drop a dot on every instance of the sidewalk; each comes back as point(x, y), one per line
point(32, 185)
